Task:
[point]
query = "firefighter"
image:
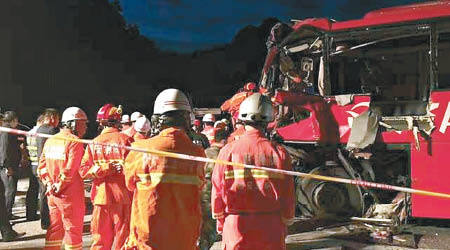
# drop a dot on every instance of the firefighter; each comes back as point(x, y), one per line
point(197, 138)
point(197, 125)
point(50, 127)
point(133, 118)
point(110, 197)
point(142, 127)
point(208, 127)
point(58, 170)
point(166, 204)
point(125, 123)
point(252, 207)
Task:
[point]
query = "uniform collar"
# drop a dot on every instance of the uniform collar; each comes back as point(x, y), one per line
point(109, 130)
point(170, 131)
point(253, 133)
point(66, 132)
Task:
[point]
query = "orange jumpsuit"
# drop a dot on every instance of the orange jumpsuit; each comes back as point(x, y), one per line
point(109, 195)
point(210, 133)
point(236, 134)
point(250, 204)
point(139, 136)
point(166, 212)
point(59, 164)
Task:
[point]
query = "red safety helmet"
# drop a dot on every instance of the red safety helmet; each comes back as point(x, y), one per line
point(109, 113)
point(197, 122)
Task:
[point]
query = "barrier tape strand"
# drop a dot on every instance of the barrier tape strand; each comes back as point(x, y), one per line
point(237, 164)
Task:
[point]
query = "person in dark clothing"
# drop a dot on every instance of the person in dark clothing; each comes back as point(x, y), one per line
point(198, 139)
point(33, 187)
point(49, 126)
point(11, 159)
point(208, 233)
point(8, 234)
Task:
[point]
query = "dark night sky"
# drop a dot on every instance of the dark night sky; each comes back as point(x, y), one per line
point(187, 25)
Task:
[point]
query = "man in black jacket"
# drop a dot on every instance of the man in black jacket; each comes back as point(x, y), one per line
point(10, 160)
point(7, 156)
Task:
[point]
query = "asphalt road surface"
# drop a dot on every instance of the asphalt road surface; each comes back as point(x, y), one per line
point(34, 237)
point(431, 237)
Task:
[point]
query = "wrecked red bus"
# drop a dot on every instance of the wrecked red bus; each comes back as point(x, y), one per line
point(365, 99)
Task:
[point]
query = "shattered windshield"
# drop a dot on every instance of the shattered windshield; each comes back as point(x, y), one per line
point(390, 70)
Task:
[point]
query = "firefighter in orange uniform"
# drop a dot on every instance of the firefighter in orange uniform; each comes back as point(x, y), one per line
point(142, 127)
point(166, 212)
point(58, 170)
point(252, 206)
point(208, 127)
point(110, 197)
point(130, 131)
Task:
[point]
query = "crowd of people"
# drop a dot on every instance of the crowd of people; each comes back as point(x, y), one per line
point(151, 201)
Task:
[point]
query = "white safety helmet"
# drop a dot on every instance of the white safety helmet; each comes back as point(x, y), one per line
point(169, 100)
point(219, 124)
point(135, 116)
point(125, 119)
point(142, 125)
point(256, 108)
point(72, 114)
point(209, 118)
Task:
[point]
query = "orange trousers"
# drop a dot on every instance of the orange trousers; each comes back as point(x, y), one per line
point(66, 222)
point(253, 231)
point(110, 223)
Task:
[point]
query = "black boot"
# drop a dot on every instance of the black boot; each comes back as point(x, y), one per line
point(8, 234)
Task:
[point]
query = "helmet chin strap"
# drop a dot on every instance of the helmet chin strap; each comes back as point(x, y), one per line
point(71, 125)
point(178, 119)
point(155, 127)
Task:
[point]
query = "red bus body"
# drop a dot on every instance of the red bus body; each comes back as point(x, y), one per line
point(329, 122)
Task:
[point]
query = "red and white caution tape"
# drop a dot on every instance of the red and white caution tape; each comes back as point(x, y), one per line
point(237, 164)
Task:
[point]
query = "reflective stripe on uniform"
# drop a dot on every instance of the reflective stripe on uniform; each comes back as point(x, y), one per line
point(73, 247)
point(53, 243)
point(156, 178)
point(107, 161)
point(94, 170)
point(65, 178)
point(42, 171)
point(251, 173)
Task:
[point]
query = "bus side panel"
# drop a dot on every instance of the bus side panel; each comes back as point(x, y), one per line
point(430, 166)
point(431, 173)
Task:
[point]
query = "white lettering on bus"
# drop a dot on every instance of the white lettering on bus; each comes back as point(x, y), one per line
point(446, 120)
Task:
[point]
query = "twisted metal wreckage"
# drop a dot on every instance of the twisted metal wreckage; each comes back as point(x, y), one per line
point(366, 100)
